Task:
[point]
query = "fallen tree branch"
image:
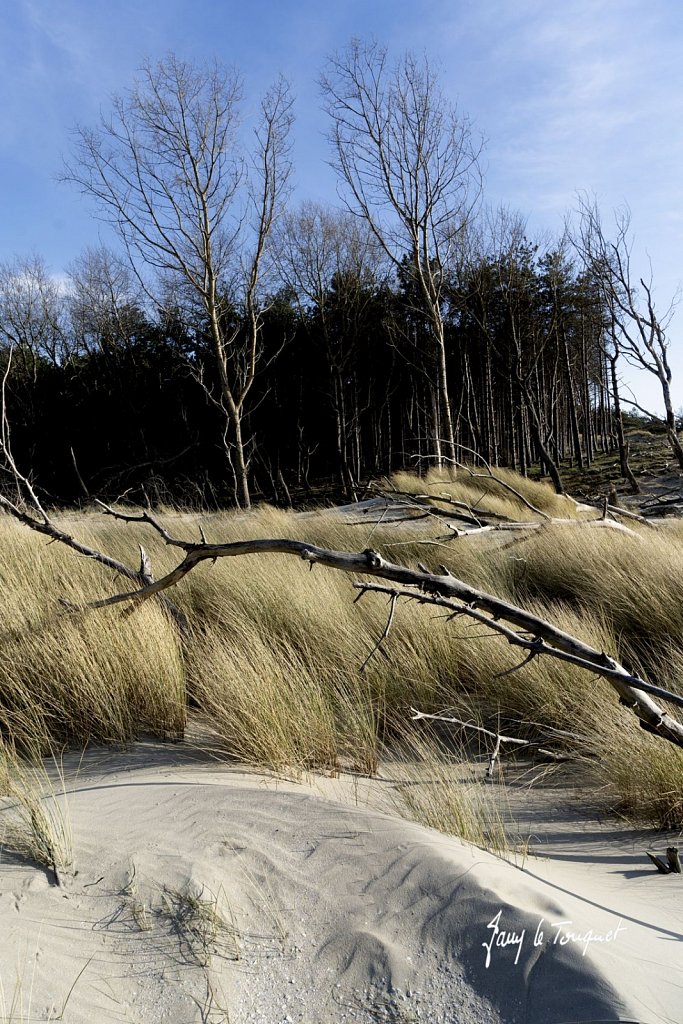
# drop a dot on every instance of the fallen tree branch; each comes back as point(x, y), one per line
point(661, 866)
point(446, 591)
point(27, 508)
point(614, 510)
point(582, 655)
point(489, 475)
point(424, 503)
point(498, 737)
point(142, 577)
point(48, 528)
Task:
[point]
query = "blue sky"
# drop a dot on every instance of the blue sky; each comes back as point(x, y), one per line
point(586, 94)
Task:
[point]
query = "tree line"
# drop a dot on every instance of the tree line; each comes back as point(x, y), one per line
point(237, 345)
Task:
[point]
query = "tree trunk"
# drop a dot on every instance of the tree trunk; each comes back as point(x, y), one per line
point(446, 416)
point(671, 432)
point(626, 471)
point(546, 457)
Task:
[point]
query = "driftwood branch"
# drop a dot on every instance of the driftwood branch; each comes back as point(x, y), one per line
point(490, 475)
point(141, 578)
point(615, 510)
point(141, 517)
point(476, 521)
point(514, 741)
point(424, 505)
point(38, 520)
point(544, 638)
point(672, 864)
point(26, 507)
point(673, 859)
point(661, 865)
point(521, 628)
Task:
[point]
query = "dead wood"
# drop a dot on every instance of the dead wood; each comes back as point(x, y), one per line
point(673, 859)
point(530, 746)
point(418, 502)
point(615, 510)
point(661, 866)
point(490, 475)
point(38, 520)
point(672, 864)
point(476, 523)
point(521, 628)
point(26, 507)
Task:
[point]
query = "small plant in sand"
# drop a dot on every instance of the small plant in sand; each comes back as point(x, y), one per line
point(204, 922)
point(36, 824)
point(134, 904)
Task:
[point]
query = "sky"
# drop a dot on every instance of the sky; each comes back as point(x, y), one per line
point(579, 95)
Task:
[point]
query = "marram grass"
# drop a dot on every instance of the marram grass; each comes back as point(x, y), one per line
point(273, 660)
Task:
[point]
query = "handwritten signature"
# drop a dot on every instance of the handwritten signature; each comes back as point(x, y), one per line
point(560, 934)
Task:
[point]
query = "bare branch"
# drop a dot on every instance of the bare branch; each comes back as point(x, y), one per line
point(490, 475)
point(450, 593)
point(530, 745)
point(547, 640)
point(392, 608)
point(639, 330)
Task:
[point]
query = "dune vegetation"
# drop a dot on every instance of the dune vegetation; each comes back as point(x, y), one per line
point(269, 662)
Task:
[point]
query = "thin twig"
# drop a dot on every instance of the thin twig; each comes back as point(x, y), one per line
point(385, 634)
point(498, 737)
point(489, 475)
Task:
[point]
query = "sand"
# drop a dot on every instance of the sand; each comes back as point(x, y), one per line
point(203, 893)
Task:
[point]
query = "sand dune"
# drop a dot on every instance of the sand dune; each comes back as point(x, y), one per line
point(206, 894)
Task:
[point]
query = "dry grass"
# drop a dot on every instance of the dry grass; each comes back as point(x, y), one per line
point(36, 823)
point(633, 580)
point(493, 494)
point(72, 678)
point(440, 787)
point(273, 663)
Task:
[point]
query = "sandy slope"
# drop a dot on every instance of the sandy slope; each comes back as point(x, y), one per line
point(330, 912)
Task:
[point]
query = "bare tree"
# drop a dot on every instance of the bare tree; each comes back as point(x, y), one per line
point(639, 331)
point(409, 165)
point(168, 170)
point(105, 301)
point(32, 314)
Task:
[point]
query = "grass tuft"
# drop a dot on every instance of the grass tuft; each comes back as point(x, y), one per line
point(273, 662)
point(36, 823)
point(440, 787)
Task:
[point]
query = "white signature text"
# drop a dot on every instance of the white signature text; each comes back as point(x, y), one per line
point(555, 933)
